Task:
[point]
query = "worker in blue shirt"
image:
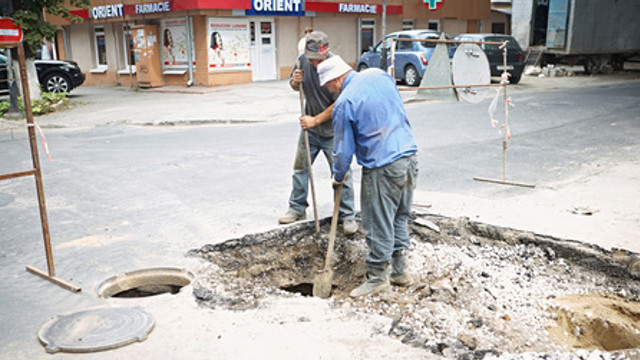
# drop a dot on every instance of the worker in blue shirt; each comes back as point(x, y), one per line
point(371, 122)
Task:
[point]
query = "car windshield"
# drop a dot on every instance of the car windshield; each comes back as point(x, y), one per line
point(429, 36)
point(511, 45)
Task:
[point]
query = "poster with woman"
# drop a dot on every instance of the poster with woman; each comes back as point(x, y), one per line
point(173, 44)
point(228, 44)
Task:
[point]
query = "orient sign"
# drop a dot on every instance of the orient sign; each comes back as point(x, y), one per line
point(9, 32)
point(433, 5)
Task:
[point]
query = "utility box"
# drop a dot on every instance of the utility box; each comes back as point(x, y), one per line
point(147, 52)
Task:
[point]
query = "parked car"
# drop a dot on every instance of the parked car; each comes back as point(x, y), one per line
point(53, 75)
point(515, 55)
point(411, 57)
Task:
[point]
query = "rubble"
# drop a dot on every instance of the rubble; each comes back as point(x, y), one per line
point(481, 291)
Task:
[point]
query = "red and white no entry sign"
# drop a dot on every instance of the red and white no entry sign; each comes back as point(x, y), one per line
point(10, 33)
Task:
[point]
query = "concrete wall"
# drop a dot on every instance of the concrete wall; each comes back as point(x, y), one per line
point(521, 13)
point(453, 27)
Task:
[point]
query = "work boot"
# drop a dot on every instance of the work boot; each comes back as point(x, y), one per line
point(377, 280)
point(349, 227)
point(291, 216)
point(399, 274)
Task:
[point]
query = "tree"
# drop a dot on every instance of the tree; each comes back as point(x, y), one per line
point(29, 15)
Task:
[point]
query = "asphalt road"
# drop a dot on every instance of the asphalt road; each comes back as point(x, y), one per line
point(121, 196)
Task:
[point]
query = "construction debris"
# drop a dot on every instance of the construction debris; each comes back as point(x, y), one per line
point(481, 291)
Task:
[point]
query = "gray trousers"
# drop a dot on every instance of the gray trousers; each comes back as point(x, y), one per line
point(386, 197)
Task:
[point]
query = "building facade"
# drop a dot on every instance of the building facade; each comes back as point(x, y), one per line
point(219, 42)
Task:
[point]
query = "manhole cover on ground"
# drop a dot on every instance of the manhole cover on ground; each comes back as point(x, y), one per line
point(479, 289)
point(96, 329)
point(145, 282)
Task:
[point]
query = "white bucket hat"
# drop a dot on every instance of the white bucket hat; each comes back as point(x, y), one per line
point(332, 68)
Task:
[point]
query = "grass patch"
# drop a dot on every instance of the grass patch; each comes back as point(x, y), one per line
point(47, 103)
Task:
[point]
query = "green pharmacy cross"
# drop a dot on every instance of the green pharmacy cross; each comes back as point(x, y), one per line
point(433, 4)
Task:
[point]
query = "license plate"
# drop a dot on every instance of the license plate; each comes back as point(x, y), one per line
point(509, 67)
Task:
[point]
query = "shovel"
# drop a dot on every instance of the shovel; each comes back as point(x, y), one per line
point(309, 164)
point(323, 280)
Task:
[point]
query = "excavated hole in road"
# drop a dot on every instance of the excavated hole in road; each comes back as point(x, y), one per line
point(479, 289)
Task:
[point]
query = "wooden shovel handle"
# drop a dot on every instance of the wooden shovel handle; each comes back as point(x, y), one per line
point(334, 228)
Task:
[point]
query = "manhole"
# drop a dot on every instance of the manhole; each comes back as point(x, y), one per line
point(96, 329)
point(145, 282)
point(479, 289)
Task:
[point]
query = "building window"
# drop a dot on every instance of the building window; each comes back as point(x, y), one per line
point(434, 25)
point(367, 34)
point(127, 37)
point(407, 25)
point(498, 28)
point(99, 43)
point(130, 60)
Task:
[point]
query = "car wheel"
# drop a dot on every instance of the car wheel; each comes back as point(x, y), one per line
point(514, 79)
point(362, 67)
point(56, 83)
point(411, 77)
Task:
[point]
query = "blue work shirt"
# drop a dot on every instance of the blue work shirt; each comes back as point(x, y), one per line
point(370, 121)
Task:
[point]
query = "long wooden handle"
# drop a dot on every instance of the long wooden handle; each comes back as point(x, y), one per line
point(309, 164)
point(334, 228)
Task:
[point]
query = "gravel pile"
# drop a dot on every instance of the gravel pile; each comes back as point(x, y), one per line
point(480, 291)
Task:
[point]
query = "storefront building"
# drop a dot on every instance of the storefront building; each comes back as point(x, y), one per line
point(219, 42)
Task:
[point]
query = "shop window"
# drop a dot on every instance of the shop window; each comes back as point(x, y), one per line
point(498, 28)
point(128, 52)
point(434, 25)
point(407, 25)
point(367, 34)
point(100, 46)
point(252, 25)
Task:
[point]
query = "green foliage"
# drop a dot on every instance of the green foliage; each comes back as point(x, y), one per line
point(29, 16)
point(47, 103)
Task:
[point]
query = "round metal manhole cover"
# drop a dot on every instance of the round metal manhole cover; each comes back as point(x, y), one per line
point(470, 66)
point(96, 329)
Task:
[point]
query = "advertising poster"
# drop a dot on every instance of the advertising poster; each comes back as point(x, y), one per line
point(228, 44)
point(173, 44)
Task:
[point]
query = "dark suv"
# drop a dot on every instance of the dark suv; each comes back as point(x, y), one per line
point(515, 55)
point(53, 75)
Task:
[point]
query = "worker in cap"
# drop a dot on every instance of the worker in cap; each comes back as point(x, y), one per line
point(303, 41)
point(317, 121)
point(370, 122)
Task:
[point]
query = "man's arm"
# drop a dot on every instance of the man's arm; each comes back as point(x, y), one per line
point(344, 145)
point(308, 121)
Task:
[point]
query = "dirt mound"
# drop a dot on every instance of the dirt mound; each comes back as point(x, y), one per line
point(596, 321)
point(480, 290)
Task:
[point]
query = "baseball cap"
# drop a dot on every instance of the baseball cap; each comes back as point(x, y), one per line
point(332, 68)
point(317, 46)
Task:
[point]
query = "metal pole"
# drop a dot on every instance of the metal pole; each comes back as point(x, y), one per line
point(189, 49)
point(384, 18)
point(506, 114)
point(35, 160)
point(14, 110)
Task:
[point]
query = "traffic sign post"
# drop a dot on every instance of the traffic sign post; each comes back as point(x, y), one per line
point(10, 33)
point(11, 36)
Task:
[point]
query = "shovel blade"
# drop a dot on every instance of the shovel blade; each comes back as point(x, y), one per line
point(322, 284)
